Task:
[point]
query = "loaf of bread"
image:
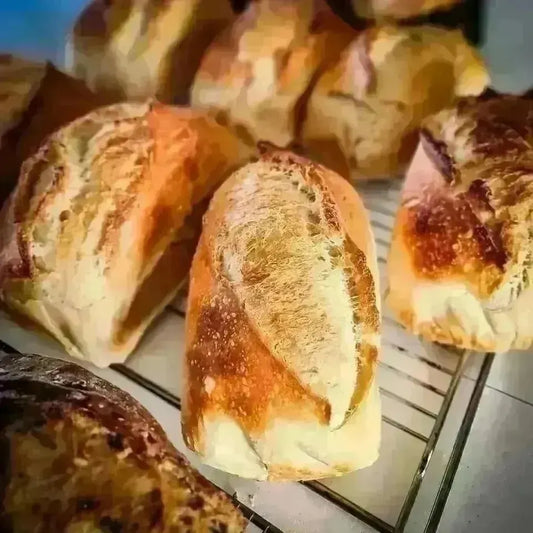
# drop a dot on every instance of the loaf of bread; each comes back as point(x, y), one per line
point(399, 9)
point(136, 49)
point(35, 100)
point(99, 233)
point(283, 326)
point(363, 114)
point(78, 454)
point(461, 261)
point(256, 74)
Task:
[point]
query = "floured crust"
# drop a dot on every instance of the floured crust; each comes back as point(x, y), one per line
point(91, 245)
point(135, 49)
point(363, 114)
point(464, 230)
point(84, 455)
point(400, 9)
point(256, 74)
point(283, 326)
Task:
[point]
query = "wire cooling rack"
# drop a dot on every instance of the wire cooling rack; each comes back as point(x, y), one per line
point(429, 397)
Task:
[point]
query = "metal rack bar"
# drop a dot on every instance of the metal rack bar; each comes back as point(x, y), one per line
point(350, 507)
point(407, 376)
point(430, 447)
point(458, 447)
point(410, 404)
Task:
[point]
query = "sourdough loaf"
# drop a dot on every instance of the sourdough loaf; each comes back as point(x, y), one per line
point(78, 454)
point(256, 74)
point(460, 264)
point(283, 324)
point(363, 114)
point(99, 233)
point(135, 49)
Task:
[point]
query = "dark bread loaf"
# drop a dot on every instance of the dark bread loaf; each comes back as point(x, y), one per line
point(78, 454)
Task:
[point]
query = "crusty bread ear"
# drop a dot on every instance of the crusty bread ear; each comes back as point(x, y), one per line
point(283, 326)
point(256, 75)
point(460, 261)
point(364, 112)
point(136, 49)
point(93, 242)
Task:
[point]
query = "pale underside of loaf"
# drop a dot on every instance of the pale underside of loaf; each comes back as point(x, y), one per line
point(461, 260)
point(272, 307)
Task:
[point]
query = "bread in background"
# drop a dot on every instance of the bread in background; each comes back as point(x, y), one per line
point(461, 261)
point(83, 455)
point(283, 326)
point(256, 74)
point(99, 233)
point(35, 100)
point(363, 114)
point(136, 49)
point(399, 9)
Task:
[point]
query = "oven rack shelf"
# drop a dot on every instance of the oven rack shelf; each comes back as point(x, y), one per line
point(429, 397)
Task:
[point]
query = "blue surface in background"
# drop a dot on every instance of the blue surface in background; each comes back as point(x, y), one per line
point(37, 29)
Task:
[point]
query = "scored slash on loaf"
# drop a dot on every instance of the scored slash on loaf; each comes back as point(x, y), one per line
point(283, 324)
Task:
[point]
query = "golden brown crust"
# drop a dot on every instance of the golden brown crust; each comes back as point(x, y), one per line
point(160, 42)
point(465, 221)
point(238, 321)
point(69, 442)
point(364, 112)
point(103, 201)
point(256, 75)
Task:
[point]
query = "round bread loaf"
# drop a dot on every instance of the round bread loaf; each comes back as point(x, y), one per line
point(78, 454)
point(363, 115)
point(282, 330)
point(255, 76)
point(99, 234)
point(461, 260)
point(136, 49)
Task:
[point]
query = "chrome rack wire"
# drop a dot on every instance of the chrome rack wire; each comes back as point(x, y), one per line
point(417, 382)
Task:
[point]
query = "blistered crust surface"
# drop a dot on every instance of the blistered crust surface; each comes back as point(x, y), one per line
point(83, 454)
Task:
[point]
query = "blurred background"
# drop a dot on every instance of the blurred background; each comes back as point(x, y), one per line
point(37, 28)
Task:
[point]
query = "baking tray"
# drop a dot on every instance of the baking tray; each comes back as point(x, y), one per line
point(429, 397)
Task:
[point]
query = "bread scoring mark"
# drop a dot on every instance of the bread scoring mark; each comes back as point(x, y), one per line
point(437, 151)
point(246, 382)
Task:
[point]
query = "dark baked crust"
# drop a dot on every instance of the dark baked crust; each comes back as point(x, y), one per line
point(113, 467)
point(477, 222)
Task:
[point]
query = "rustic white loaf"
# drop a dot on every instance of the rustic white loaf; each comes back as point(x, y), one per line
point(99, 232)
point(283, 326)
